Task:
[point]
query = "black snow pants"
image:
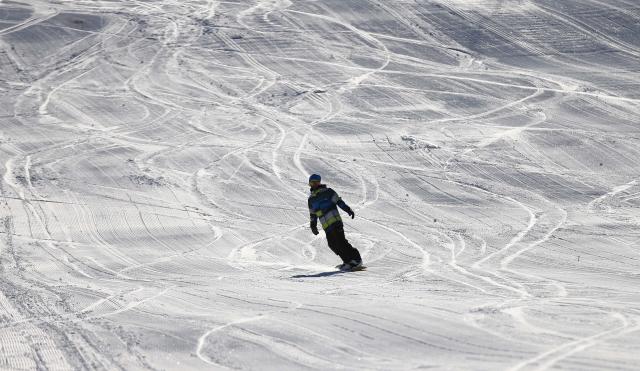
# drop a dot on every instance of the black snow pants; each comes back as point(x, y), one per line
point(339, 245)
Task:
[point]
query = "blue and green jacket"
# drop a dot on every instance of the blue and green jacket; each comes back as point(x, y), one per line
point(322, 205)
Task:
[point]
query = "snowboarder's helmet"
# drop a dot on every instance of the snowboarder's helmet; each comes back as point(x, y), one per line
point(314, 178)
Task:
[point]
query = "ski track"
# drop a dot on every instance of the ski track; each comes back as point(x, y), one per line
point(154, 165)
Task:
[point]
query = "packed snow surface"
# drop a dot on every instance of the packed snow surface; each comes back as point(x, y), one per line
point(154, 159)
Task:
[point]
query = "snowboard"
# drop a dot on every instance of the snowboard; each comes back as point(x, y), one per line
point(360, 268)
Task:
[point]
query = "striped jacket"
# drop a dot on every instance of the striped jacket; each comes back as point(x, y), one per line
point(322, 205)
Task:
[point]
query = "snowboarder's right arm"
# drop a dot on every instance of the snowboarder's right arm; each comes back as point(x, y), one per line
point(313, 219)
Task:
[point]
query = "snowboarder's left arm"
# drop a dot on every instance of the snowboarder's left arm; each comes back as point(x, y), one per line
point(341, 204)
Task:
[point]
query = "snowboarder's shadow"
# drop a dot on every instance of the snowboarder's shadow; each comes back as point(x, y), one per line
point(317, 275)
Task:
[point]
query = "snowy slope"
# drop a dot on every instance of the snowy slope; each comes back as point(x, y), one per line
point(155, 155)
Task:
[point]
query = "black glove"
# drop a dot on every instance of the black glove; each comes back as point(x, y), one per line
point(314, 229)
point(351, 213)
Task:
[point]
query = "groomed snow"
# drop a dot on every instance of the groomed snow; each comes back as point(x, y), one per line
point(154, 157)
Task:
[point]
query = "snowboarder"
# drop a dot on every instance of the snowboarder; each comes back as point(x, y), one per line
point(322, 205)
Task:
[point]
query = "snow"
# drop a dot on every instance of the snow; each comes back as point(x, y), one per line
point(154, 158)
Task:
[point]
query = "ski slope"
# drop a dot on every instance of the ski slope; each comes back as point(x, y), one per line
point(154, 158)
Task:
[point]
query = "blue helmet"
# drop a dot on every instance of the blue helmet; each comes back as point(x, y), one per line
point(315, 178)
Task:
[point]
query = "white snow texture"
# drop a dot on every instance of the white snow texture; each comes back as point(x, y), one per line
point(155, 154)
